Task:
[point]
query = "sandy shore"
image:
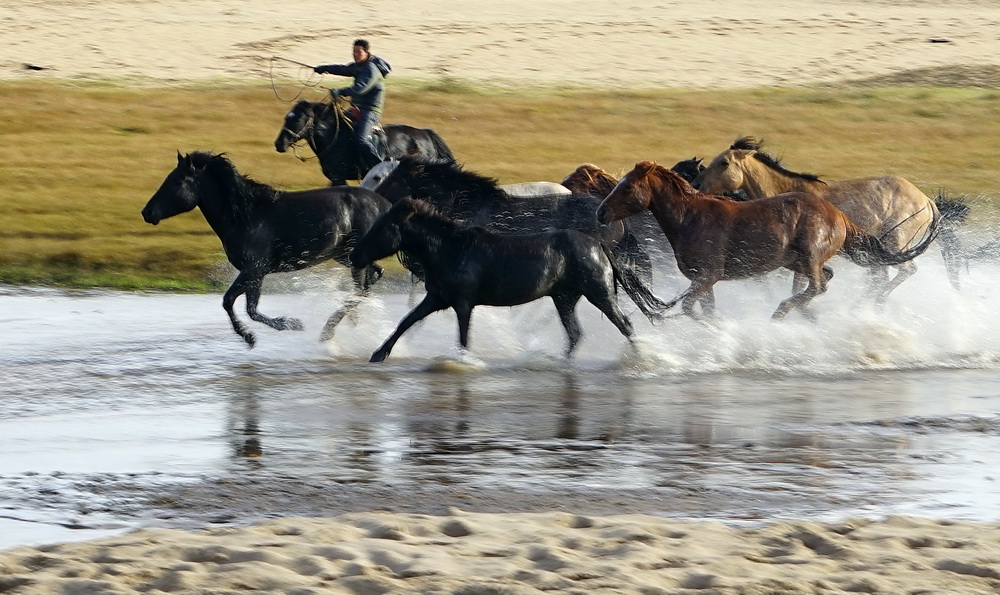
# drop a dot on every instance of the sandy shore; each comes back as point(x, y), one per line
point(731, 43)
point(520, 553)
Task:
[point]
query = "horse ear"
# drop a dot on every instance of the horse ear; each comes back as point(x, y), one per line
point(180, 158)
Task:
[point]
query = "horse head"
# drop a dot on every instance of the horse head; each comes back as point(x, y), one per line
point(384, 238)
point(299, 124)
point(689, 168)
point(630, 196)
point(590, 179)
point(725, 172)
point(178, 193)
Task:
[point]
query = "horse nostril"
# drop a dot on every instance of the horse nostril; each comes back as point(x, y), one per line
point(603, 216)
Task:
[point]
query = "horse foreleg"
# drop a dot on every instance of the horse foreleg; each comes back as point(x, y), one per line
point(429, 305)
point(566, 306)
point(280, 323)
point(235, 290)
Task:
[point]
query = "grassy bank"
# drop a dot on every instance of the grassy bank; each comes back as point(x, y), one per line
point(78, 162)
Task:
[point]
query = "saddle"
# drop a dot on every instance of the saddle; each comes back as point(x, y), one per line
point(354, 114)
point(378, 133)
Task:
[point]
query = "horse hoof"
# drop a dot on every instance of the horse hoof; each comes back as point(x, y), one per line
point(250, 340)
point(291, 324)
point(378, 357)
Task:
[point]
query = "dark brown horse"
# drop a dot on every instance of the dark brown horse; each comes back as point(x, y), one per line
point(716, 240)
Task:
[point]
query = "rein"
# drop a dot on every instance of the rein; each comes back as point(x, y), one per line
point(310, 137)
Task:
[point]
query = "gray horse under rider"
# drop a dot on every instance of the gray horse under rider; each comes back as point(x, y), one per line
point(367, 94)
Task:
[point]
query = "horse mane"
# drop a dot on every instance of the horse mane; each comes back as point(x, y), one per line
point(448, 174)
point(749, 143)
point(244, 192)
point(588, 178)
point(675, 179)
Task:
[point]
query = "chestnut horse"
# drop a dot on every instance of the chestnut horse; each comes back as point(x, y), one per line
point(591, 179)
point(888, 207)
point(716, 240)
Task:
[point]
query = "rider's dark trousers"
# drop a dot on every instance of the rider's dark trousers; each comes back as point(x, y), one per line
point(368, 156)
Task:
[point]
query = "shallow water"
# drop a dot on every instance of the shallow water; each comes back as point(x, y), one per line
point(123, 409)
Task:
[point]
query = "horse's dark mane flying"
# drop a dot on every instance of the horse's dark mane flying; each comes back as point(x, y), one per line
point(449, 173)
point(247, 192)
point(749, 143)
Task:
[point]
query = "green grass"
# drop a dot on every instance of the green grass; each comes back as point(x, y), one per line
point(78, 162)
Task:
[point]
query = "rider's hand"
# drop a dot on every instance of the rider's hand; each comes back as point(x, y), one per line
point(318, 69)
point(335, 93)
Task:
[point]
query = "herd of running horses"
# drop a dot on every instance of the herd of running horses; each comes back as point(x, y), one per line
point(475, 242)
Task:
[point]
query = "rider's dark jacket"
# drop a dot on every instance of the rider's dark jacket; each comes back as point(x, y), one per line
point(368, 91)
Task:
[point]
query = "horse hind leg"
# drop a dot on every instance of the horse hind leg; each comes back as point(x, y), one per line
point(363, 280)
point(608, 305)
point(800, 300)
point(904, 272)
point(280, 323)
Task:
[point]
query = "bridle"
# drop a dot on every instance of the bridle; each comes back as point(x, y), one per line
point(309, 126)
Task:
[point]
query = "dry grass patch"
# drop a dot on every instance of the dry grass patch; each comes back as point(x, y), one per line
point(78, 162)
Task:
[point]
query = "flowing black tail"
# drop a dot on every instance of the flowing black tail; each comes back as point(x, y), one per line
point(867, 250)
point(652, 306)
point(443, 150)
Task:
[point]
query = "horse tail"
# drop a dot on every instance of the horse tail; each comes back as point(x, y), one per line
point(867, 250)
point(443, 150)
point(652, 306)
point(953, 214)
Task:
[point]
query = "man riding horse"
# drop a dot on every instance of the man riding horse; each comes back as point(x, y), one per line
point(367, 95)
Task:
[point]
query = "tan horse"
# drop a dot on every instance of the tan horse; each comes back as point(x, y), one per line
point(887, 207)
point(716, 240)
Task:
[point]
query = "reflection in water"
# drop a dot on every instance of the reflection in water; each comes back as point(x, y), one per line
point(530, 430)
point(740, 409)
point(243, 426)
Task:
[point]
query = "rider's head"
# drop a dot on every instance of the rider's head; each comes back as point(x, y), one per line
point(360, 50)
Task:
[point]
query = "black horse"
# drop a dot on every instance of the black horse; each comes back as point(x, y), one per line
point(474, 199)
point(328, 130)
point(470, 266)
point(264, 230)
